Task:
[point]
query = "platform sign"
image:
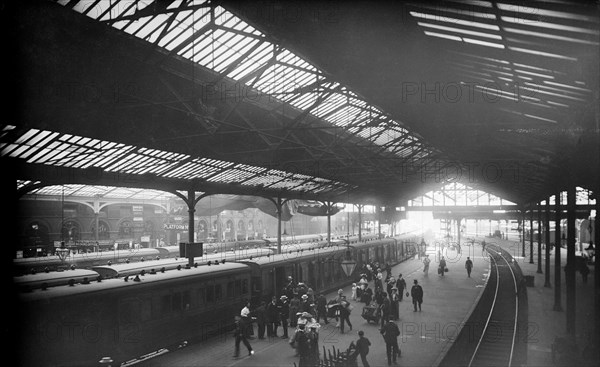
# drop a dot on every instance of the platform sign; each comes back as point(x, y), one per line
point(191, 250)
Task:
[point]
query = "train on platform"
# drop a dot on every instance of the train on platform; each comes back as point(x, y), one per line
point(86, 260)
point(76, 321)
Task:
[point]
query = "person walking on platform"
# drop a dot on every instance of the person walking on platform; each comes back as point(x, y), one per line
point(362, 347)
point(344, 314)
point(483, 244)
point(322, 308)
point(442, 267)
point(426, 262)
point(247, 320)
point(240, 336)
point(386, 308)
point(283, 306)
point(469, 266)
point(416, 293)
point(390, 334)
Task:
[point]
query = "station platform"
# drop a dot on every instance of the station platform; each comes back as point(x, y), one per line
point(425, 336)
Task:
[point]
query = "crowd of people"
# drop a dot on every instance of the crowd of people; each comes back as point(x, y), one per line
point(301, 308)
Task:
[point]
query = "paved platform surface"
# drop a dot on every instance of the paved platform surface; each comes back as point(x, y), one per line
point(425, 335)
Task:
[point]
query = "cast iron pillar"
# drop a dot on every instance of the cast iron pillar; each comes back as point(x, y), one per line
point(557, 247)
point(571, 266)
point(547, 241)
point(539, 237)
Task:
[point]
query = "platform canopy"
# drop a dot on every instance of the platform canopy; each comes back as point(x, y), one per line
point(342, 101)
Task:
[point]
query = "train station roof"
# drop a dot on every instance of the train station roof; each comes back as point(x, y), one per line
point(341, 101)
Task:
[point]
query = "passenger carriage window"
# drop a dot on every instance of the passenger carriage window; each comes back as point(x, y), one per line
point(218, 292)
point(187, 300)
point(244, 286)
point(146, 309)
point(201, 296)
point(230, 289)
point(238, 287)
point(177, 302)
point(210, 294)
point(165, 305)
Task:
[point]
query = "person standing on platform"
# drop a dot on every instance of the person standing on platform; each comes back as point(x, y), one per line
point(283, 306)
point(390, 334)
point(426, 262)
point(401, 285)
point(483, 244)
point(272, 318)
point(395, 303)
point(362, 347)
point(391, 283)
point(416, 293)
point(294, 309)
point(261, 319)
point(354, 286)
point(322, 308)
point(344, 314)
point(305, 305)
point(469, 266)
point(368, 295)
point(442, 267)
point(302, 344)
point(240, 336)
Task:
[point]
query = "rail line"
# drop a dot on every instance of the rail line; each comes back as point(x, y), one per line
point(496, 345)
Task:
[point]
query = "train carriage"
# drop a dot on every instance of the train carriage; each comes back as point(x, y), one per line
point(78, 325)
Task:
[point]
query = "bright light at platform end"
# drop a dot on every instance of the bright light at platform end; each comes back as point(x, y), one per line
point(419, 221)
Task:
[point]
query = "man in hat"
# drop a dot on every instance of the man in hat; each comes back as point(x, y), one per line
point(344, 307)
point(362, 347)
point(390, 334)
point(272, 316)
point(469, 266)
point(283, 306)
point(305, 304)
point(417, 294)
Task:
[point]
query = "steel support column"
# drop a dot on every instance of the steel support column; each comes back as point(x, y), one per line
point(359, 206)
point(523, 232)
point(571, 265)
point(531, 236)
point(539, 238)
point(547, 241)
point(557, 248)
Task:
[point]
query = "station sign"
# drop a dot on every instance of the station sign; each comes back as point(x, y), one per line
point(176, 226)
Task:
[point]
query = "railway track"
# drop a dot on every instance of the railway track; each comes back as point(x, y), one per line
point(495, 333)
point(496, 344)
